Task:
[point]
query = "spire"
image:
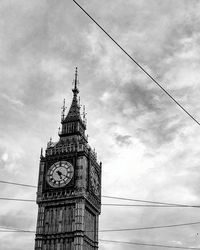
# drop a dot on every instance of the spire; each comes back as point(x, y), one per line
point(72, 123)
point(74, 111)
point(75, 89)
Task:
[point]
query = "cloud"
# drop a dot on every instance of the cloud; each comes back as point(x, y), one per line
point(17, 219)
point(149, 147)
point(123, 140)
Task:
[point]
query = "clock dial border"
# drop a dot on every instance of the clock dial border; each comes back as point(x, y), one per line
point(69, 174)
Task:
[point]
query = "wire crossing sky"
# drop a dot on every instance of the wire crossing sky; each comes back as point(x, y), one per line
point(147, 244)
point(9, 229)
point(166, 204)
point(138, 64)
point(108, 241)
point(114, 204)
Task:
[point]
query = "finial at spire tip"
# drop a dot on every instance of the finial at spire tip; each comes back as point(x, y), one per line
point(76, 76)
point(75, 90)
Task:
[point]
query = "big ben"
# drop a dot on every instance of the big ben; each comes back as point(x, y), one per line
point(69, 187)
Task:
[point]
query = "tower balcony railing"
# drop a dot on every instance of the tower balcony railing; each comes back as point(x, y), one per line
point(70, 148)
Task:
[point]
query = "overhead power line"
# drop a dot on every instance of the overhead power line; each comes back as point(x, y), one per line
point(17, 184)
point(109, 197)
point(139, 205)
point(112, 241)
point(147, 244)
point(113, 204)
point(16, 199)
point(116, 242)
point(145, 201)
point(15, 231)
point(11, 229)
point(150, 228)
point(137, 63)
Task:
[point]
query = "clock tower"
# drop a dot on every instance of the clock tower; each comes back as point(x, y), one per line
point(69, 187)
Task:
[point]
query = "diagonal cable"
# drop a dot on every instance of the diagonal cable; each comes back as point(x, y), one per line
point(17, 184)
point(12, 229)
point(114, 204)
point(147, 244)
point(137, 63)
point(143, 201)
point(109, 197)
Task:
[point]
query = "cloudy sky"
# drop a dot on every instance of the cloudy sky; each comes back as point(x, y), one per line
point(148, 146)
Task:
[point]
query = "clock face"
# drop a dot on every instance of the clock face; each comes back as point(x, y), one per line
point(60, 174)
point(95, 181)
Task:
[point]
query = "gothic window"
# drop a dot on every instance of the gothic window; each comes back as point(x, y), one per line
point(89, 224)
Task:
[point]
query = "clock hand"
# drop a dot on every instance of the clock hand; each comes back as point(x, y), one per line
point(60, 174)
